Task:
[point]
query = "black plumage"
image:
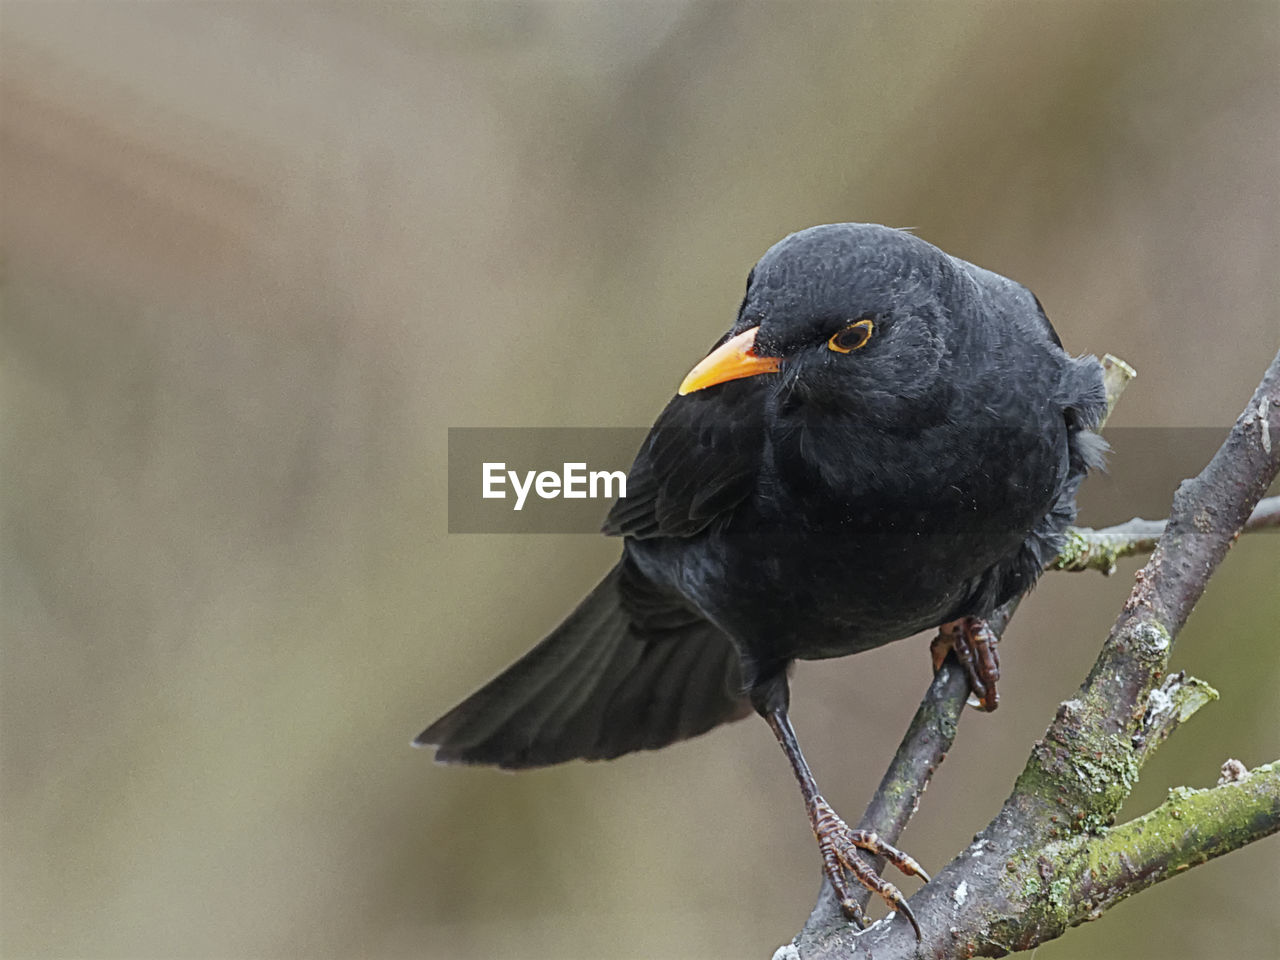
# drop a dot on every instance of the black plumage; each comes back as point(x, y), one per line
point(803, 500)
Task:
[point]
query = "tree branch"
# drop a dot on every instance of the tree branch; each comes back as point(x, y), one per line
point(1189, 828)
point(1023, 876)
point(1088, 549)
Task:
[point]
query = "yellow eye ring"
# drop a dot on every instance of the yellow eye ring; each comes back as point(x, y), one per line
point(852, 337)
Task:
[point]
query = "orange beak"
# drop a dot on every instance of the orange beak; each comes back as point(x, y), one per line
point(732, 360)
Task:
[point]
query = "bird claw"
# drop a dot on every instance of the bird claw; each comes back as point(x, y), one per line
point(839, 846)
point(974, 644)
point(853, 913)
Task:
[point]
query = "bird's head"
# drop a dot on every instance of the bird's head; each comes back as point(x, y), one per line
point(847, 316)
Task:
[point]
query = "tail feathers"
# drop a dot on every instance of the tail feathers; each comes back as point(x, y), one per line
point(597, 687)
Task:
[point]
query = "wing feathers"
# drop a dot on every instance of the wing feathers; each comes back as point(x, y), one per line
point(622, 673)
point(695, 467)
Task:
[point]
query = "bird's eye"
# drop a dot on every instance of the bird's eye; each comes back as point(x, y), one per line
point(851, 337)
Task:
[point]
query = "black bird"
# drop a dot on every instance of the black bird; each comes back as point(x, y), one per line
point(888, 439)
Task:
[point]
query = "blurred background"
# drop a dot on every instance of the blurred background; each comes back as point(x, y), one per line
point(258, 257)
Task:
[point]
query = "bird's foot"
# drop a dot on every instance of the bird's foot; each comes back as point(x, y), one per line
point(839, 846)
point(974, 643)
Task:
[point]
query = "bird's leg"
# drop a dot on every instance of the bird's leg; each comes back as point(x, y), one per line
point(974, 643)
point(837, 842)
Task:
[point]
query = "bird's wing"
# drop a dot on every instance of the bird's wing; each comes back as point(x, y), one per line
point(699, 462)
point(1045, 323)
point(632, 668)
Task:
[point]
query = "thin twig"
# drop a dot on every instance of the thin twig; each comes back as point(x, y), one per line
point(921, 752)
point(1088, 549)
